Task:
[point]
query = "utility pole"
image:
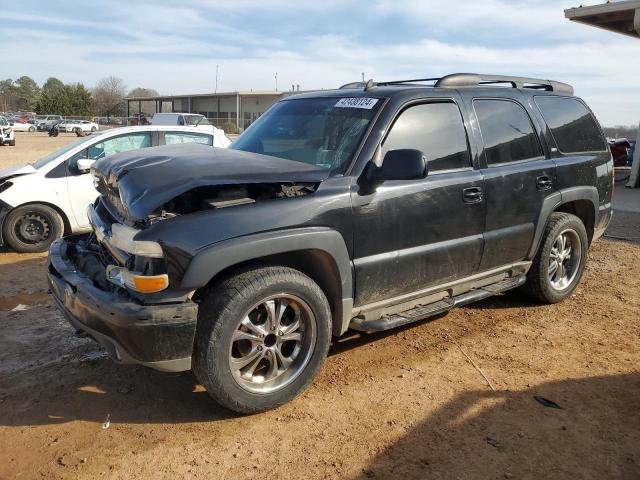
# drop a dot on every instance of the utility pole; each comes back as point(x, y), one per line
point(363, 76)
point(216, 90)
point(276, 76)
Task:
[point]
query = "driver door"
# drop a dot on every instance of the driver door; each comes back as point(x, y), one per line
point(413, 234)
point(80, 187)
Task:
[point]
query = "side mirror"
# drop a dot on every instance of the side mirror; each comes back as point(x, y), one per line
point(84, 164)
point(402, 164)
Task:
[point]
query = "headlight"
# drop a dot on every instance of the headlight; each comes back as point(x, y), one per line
point(140, 283)
point(122, 238)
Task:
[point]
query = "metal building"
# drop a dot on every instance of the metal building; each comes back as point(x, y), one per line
point(233, 111)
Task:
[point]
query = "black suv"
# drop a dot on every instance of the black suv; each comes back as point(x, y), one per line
point(366, 207)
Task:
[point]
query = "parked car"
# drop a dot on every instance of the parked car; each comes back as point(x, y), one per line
point(45, 122)
point(73, 126)
point(40, 202)
point(7, 135)
point(620, 149)
point(23, 127)
point(366, 208)
point(192, 119)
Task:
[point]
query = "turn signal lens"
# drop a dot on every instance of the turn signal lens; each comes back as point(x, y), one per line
point(140, 283)
point(152, 284)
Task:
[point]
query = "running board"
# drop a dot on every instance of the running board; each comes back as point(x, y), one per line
point(421, 312)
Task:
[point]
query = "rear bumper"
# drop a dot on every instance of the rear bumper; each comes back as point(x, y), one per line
point(159, 336)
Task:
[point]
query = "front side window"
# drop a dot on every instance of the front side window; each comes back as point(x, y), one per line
point(323, 132)
point(436, 129)
point(171, 138)
point(120, 144)
point(572, 124)
point(507, 131)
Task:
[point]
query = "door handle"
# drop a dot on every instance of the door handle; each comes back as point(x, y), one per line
point(544, 182)
point(472, 195)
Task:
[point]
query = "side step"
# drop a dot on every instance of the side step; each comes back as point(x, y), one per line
point(421, 312)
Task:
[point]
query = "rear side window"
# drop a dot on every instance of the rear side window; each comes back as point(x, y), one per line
point(507, 132)
point(437, 130)
point(572, 125)
point(171, 138)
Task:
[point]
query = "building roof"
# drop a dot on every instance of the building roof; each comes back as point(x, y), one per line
point(213, 94)
point(620, 17)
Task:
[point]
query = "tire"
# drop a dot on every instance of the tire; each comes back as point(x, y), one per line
point(546, 282)
point(241, 300)
point(93, 129)
point(12, 143)
point(32, 228)
point(32, 129)
point(79, 132)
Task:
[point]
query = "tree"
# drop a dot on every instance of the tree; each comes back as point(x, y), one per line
point(143, 92)
point(27, 91)
point(72, 99)
point(8, 98)
point(108, 96)
point(52, 83)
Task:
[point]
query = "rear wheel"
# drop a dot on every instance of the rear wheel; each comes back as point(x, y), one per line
point(32, 129)
point(32, 228)
point(262, 337)
point(559, 263)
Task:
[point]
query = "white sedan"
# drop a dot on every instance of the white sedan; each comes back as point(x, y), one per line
point(72, 126)
point(43, 201)
point(23, 127)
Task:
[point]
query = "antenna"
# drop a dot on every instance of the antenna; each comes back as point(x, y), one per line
point(276, 76)
point(216, 90)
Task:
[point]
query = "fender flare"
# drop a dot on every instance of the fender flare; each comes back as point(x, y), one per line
point(557, 199)
point(211, 260)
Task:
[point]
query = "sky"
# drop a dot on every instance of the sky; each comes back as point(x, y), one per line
point(174, 46)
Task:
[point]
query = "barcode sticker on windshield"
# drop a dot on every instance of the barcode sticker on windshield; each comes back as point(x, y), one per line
point(357, 102)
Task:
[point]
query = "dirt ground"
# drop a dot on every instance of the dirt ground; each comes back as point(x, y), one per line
point(411, 403)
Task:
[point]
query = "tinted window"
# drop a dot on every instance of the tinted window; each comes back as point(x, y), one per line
point(171, 138)
point(436, 129)
point(572, 125)
point(507, 131)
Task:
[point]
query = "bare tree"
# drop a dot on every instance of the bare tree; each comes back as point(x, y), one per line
point(108, 95)
point(143, 92)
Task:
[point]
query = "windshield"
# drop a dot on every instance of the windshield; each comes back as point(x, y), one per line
point(324, 132)
point(3, 122)
point(52, 156)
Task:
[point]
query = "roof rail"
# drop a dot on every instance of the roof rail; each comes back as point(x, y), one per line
point(456, 80)
point(475, 79)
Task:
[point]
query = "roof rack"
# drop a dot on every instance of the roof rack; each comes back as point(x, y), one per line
point(474, 79)
point(456, 80)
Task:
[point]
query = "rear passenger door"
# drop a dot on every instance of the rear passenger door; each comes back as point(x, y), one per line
point(517, 177)
point(413, 234)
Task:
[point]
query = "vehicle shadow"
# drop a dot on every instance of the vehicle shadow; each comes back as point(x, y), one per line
point(483, 434)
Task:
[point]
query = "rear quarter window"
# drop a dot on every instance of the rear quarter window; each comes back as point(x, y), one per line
point(572, 124)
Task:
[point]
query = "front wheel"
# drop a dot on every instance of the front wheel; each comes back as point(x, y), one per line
point(32, 228)
point(261, 339)
point(32, 129)
point(559, 263)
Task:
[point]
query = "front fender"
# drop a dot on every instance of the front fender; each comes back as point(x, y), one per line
point(211, 260)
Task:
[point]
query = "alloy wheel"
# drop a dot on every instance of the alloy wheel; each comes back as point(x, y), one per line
point(564, 259)
point(272, 343)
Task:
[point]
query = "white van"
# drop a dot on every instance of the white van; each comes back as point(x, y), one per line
point(43, 201)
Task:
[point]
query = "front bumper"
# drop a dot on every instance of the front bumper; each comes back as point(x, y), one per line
point(159, 336)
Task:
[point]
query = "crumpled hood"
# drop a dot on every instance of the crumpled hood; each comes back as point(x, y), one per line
point(16, 172)
point(150, 177)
